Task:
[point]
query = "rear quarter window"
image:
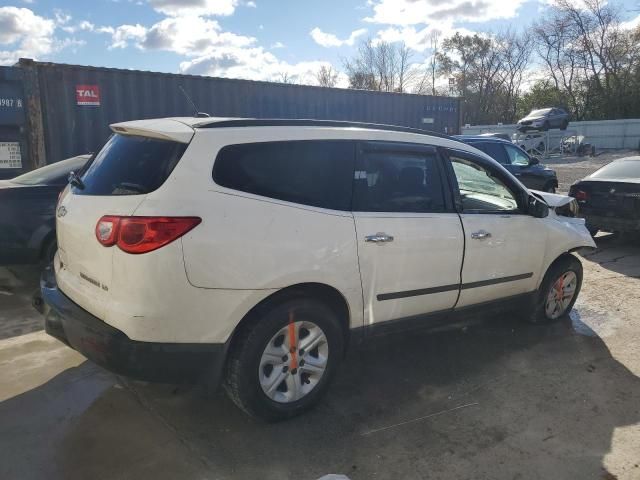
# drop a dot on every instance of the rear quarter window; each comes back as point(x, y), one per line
point(317, 173)
point(130, 165)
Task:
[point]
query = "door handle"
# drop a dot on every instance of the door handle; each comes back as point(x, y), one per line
point(379, 237)
point(480, 235)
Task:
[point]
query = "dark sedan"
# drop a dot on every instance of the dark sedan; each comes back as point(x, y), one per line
point(527, 168)
point(27, 212)
point(544, 119)
point(609, 198)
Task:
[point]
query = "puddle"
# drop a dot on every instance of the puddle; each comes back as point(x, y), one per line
point(592, 323)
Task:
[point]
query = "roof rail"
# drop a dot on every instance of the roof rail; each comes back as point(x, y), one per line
point(285, 122)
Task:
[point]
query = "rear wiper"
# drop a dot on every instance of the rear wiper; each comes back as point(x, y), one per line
point(75, 180)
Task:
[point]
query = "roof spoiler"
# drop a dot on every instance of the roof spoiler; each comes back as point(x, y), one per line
point(162, 129)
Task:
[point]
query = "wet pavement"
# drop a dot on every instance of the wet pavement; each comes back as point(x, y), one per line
point(497, 399)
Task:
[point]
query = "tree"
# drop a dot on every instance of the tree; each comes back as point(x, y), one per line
point(381, 66)
point(542, 94)
point(591, 58)
point(327, 76)
point(487, 73)
point(284, 77)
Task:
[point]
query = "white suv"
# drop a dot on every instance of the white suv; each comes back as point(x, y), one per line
point(252, 251)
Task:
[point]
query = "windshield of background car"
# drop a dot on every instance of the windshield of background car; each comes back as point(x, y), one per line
point(626, 169)
point(131, 165)
point(537, 113)
point(54, 174)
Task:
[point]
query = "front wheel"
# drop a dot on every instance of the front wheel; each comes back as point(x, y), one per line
point(283, 360)
point(559, 290)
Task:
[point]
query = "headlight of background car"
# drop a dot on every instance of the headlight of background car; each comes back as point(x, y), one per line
point(570, 209)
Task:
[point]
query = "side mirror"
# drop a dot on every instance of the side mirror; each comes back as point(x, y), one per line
point(534, 161)
point(537, 208)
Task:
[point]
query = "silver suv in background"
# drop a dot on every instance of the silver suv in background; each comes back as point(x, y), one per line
point(544, 119)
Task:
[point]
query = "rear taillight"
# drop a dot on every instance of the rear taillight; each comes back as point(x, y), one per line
point(142, 234)
point(107, 230)
point(581, 195)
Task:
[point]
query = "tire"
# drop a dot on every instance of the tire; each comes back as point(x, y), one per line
point(49, 251)
point(545, 125)
point(564, 125)
point(252, 361)
point(550, 188)
point(568, 267)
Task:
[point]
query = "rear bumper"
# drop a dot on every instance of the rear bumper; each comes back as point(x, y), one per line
point(112, 349)
point(611, 224)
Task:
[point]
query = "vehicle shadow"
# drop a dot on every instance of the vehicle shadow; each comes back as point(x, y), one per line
point(17, 315)
point(618, 253)
point(497, 399)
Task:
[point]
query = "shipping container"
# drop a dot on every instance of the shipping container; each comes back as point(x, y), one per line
point(77, 103)
point(13, 145)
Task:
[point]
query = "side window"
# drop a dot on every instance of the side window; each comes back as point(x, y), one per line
point(480, 191)
point(399, 182)
point(495, 150)
point(517, 156)
point(315, 173)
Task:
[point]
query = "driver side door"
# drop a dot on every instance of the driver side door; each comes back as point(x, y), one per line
point(504, 246)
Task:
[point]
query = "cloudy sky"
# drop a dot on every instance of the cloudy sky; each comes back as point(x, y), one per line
point(254, 39)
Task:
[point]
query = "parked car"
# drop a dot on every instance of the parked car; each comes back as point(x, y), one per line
point(27, 212)
point(609, 198)
point(255, 251)
point(544, 119)
point(502, 135)
point(524, 166)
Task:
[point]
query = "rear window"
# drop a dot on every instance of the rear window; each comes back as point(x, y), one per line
point(494, 149)
point(131, 165)
point(316, 173)
point(619, 170)
point(54, 174)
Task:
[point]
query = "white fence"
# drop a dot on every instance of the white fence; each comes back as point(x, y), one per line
point(601, 133)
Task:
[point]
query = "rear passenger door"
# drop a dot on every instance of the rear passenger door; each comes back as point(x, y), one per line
point(410, 240)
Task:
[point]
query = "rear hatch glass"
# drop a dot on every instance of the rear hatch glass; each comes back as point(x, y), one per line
point(130, 165)
point(115, 183)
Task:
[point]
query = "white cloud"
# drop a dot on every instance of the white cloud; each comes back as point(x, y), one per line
point(194, 7)
point(631, 24)
point(277, 45)
point(419, 39)
point(210, 50)
point(250, 63)
point(124, 34)
point(330, 40)
point(189, 36)
point(24, 34)
point(412, 12)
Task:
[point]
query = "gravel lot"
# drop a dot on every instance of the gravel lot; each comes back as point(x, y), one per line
point(495, 399)
point(573, 168)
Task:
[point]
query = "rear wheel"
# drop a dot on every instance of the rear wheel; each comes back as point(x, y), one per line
point(564, 125)
point(559, 290)
point(545, 125)
point(49, 251)
point(282, 361)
